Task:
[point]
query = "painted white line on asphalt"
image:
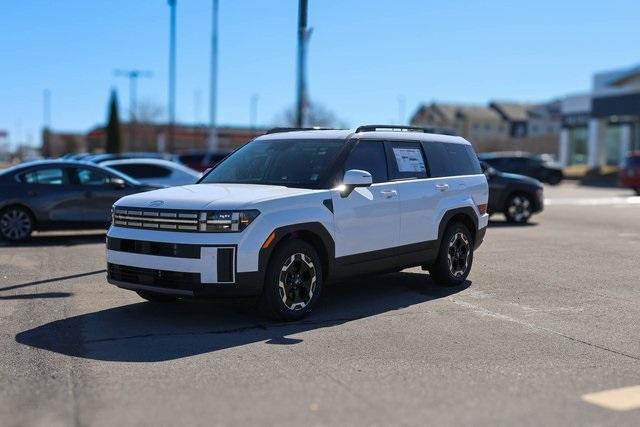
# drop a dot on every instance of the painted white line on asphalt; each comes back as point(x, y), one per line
point(618, 399)
point(593, 201)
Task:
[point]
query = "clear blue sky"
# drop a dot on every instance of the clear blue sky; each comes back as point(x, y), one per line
point(363, 55)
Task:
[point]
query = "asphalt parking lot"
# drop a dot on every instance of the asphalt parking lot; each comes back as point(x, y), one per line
point(550, 315)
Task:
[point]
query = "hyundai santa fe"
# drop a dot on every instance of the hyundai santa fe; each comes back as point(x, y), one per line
point(291, 211)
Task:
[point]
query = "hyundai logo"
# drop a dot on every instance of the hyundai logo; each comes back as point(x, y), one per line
point(156, 203)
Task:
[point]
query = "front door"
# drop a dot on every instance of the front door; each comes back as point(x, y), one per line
point(99, 194)
point(367, 220)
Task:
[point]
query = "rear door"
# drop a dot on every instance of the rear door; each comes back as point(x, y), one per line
point(367, 220)
point(418, 194)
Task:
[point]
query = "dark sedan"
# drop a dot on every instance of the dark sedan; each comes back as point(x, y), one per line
point(538, 167)
point(57, 195)
point(516, 196)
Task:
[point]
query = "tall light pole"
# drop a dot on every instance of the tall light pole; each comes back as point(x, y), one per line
point(172, 74)
point(213, 85)
point(133, 76)
point(303, 36)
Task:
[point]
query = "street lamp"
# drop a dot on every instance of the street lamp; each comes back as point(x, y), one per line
point(172, 73)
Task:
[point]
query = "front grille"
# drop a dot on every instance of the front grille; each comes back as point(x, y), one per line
point(158, 219)
point(178, 250)
point(150, 277)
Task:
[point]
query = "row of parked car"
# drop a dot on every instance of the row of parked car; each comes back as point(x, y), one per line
point(78, 191)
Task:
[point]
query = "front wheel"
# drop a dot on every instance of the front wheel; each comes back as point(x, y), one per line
point(454, 258)
point(16, 224)
point(293, 281)
point(519, 209)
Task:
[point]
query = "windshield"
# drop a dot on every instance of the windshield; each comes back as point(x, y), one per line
point(291, 163)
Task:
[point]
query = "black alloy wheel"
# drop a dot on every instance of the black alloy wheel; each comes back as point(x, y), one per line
point(519, 209)
point(16, 224)
point(293, 281)
point(455, 256)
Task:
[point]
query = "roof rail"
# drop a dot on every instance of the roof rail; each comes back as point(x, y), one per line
point(286, 129)
point(403, 128)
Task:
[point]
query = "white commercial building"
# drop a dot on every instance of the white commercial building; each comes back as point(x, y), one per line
point(599, 128)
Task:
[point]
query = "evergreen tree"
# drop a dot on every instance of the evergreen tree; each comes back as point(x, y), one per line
point(114, 138)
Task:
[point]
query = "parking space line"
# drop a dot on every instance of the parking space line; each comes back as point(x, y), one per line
point(593, 201)
point(618, 399)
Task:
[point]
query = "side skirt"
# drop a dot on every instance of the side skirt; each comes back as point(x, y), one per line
point(385, 260)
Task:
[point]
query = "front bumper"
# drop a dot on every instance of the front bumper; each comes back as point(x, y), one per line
point(184, 267)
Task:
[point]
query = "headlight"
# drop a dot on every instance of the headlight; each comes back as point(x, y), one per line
point(226, 221)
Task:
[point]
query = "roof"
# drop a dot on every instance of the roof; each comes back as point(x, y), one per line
point(346, 134)
point(513, 111)
point(478, 113)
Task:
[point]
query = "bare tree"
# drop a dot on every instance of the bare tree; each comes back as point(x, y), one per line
point(315, 115)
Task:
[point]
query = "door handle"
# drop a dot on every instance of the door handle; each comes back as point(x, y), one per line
point(442, 187)
point(387, 194)
point(32, 193)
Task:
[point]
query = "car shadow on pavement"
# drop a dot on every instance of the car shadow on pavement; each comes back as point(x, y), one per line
point(149, 332)
point(58, 240)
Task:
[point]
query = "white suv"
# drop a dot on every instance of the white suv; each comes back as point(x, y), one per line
point(292, 210)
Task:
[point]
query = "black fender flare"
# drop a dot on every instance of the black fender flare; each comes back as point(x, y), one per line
point(468, 211)
point(314, 228)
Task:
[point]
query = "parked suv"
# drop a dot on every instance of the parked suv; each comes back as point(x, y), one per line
point(290, 211)
point(535, 166)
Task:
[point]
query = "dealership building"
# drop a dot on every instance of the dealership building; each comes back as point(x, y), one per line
point(600, 127)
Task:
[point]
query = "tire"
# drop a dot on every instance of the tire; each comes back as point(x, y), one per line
point(455, 256)
point(16, 223)
point(154, 297)
point(518, 208)
point(293, 282)
point(637, 190)
point(554, 179)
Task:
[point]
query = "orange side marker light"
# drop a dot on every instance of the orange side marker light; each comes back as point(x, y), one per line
point(269, 240)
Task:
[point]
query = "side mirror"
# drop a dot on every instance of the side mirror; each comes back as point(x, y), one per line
point(118, 183)
point(355, 178)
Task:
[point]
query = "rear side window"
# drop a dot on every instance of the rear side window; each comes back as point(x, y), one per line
point(49, 176)
point(406, 160)
point(369, 156)
point(450, 159)
point(143, 171)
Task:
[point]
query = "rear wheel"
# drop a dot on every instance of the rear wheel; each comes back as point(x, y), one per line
point(454, 258)
point(154, 297)
point(16, 223)
point(519, 209)
point(293, 281)
point(637, 190)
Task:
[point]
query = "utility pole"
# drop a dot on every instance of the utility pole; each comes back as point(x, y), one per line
point(172, 74)
point(46, 122)
point(213, 85)
point(303, 38)
point(133, 76)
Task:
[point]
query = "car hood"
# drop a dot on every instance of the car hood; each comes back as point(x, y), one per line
point(522, 179)
point(208, 196)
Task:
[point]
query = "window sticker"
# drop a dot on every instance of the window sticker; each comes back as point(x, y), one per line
point(409, 159)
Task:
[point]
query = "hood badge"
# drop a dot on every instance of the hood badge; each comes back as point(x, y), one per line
point(156, 203)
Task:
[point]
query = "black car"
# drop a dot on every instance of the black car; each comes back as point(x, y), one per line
point(57, 195)
point(516, 196)
point(534, 166)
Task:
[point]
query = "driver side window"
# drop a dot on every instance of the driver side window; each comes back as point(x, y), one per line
point(369, 156)
point(93, 177)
